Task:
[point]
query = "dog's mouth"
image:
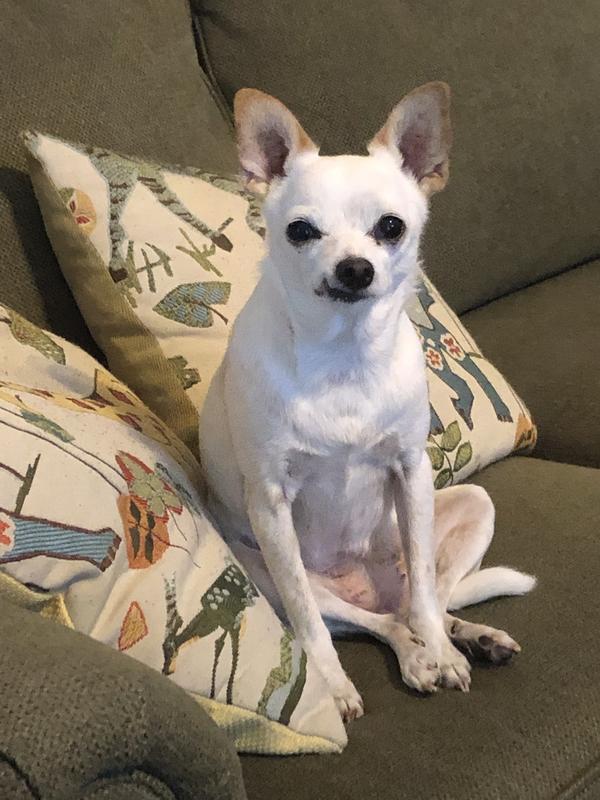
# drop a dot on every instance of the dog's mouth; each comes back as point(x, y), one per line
point(343, 296)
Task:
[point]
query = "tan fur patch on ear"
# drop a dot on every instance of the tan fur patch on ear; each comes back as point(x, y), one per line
point(425, 153)
point(435, 181)
point(268, 133)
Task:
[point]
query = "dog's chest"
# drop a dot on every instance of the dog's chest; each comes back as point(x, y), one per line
point(339, 469)
point(339, 500)
point(367, 419)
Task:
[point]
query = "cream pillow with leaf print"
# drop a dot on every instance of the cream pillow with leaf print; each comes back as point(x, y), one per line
point(101, 519)
point(161, 259)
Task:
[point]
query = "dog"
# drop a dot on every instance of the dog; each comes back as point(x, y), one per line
point(314, 429)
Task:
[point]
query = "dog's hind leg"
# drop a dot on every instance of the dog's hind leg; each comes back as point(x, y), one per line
point(464, 526)
point(463, 531)
point(418, 671)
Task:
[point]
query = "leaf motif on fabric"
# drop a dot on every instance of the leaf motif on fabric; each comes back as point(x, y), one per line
point(186, 498)
point(47, 425)
point(149, 489)
point(30, 335)
point(133, 628)
point(187, 376)
point(192, 304)
point(436, 457)
point(451, 437)
point(146, 536)
point(463, 456)
point(442, 479)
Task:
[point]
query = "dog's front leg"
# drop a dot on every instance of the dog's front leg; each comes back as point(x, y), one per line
point(413, 492)
point(270, 514)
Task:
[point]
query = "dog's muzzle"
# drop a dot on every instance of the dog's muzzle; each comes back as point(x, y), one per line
point(355, 275)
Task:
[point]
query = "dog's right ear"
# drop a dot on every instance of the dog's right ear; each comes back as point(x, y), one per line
point(269, 135)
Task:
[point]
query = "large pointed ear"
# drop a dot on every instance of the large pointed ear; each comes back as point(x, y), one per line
point(268, 135)
point(419, 128)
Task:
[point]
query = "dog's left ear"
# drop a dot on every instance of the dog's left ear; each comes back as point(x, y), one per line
point(419, 129)
point(269, 135)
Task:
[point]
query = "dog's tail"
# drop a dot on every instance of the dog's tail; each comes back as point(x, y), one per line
point(490, 582)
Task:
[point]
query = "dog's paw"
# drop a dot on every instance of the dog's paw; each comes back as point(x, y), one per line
point(427, 666)
point(455, 670)
point(483, 642)
point(348, 701)
point(420, 669)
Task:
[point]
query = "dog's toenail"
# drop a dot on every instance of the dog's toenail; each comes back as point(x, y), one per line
point(486, 641)
point(453, 628)
point(416, 640)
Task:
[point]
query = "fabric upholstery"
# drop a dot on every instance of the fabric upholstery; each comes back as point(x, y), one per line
point(126, 74)
point(545, 340)
point(523, 200)
point(528, 730)
point(74, 714)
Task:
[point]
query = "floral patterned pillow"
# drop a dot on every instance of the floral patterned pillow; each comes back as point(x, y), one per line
point(161, 259)
point(99, 506)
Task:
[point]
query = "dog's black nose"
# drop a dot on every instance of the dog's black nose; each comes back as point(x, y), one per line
point(355, 273)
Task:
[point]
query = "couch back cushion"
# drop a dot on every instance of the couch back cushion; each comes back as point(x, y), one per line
point(123, 74)
point(523, 199)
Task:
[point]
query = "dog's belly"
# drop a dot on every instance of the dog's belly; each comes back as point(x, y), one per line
point(338, 509)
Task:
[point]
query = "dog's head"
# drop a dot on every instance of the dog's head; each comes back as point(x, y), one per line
point(345, 229)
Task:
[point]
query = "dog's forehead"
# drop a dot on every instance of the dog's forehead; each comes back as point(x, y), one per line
point(352, 182)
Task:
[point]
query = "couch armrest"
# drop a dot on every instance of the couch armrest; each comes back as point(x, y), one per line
point(79, 720)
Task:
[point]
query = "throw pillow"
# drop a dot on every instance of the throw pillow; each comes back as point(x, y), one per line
point(102, 527)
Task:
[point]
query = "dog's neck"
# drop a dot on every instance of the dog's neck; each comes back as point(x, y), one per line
point(335, 340)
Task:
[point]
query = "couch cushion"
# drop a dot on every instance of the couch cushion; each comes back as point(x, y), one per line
point(526, 730)
point(126, 74)
point(525, 76)
point(545, 340)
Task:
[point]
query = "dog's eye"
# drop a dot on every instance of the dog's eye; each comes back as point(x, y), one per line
point(389, 228)
point(300, 231)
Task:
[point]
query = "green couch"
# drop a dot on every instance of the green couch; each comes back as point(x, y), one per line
point(513, 244)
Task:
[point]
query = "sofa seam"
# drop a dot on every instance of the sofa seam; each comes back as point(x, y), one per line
point(533, 455)
point(206, 70)
point(536, 282)
point(580, 784)
point(33, 790)
point(127, 777)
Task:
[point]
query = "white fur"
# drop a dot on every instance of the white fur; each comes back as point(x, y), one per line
point(314, 429)
point(487, 583)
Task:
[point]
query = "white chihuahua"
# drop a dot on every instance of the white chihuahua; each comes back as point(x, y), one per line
point(314, 430)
